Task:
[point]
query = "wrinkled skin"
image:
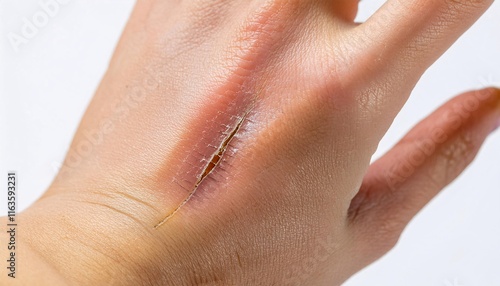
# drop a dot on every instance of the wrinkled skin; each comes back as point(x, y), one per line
point(294, 97)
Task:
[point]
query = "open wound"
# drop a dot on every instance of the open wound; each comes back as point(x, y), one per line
point(212, 164)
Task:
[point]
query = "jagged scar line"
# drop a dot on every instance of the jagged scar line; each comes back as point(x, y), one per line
point(207, 170)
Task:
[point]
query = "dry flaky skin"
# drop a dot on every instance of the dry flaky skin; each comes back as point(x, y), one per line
point(210, 165)
point(259, 118)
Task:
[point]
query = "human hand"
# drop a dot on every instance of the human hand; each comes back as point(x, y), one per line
point(314, 93)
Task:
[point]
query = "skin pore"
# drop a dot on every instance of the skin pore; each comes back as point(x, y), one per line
point(237, 145)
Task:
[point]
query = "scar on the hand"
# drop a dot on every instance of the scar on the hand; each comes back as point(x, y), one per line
point(207, 170)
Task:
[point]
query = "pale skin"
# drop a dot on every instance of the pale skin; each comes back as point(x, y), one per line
point(229, 143)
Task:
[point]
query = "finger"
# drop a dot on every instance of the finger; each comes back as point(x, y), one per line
point(414, 33)
point(432, 155)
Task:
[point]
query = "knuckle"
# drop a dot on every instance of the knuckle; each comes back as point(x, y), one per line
point(457, 8)
point(454, 157)
point(465, 4)
point(371, 102)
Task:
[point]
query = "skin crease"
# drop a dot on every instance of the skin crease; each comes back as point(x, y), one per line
point(293, 199)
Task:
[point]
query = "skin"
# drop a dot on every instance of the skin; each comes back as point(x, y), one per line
point(293, 97)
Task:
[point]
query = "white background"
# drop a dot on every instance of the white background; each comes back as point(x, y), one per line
point(47, 83)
